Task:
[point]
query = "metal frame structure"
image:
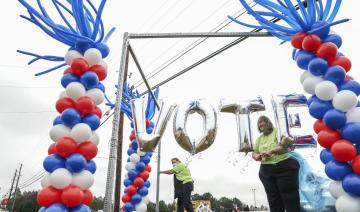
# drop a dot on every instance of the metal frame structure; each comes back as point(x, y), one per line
point(117, 128)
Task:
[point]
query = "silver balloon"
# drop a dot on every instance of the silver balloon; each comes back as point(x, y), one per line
point(242, 111)
point(148, 142)
point(285, 121)
point(209, 116)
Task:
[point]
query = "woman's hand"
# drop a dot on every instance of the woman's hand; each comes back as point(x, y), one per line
point(257, 157)
point(267, 154)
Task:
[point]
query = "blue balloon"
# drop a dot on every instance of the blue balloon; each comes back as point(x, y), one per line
point(57, 207)
point(311, 99)
point(339, 54)
point(351, 184)
point(127, 182)
point(130, 151)
point(82, 45)
point(335, 74)
point(151, 124)
point(91, 166)
point(147, 183)
point(101, 87)
point(318, 108)
point(90, 80)
point(303, 58)
point(57, 120)
point(326, 156)
point(70, 117)
point(146, 159)
point(358, 104)
point(42, 209)
point(134, 144)
point(92, 120)
point(143, 191)
point(351, 132)
point(132, 174)
point(104, 49)
point(335, 39)
point(323, 33)
point(318, 66)
point(334, 119)
point(336, 170)
point(140, 166)
point(81, 208)
point(69, 78)
point(149, 130)
point(75, 162)
point(132, 125)
point(351, 85)
point(53, 162)
point(129, 207)
point(135, 199)
point(149, 154)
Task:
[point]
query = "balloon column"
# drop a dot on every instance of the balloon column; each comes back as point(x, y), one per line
point(334, 94)
point(69, 164)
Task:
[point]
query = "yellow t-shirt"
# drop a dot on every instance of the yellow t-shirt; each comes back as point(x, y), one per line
point(268, 142)
point(182, 173)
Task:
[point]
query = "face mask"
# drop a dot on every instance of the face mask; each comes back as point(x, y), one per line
point(174, 164)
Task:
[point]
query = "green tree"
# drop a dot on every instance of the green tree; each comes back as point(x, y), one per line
point(151, 207)
point(226, 203)
point(163, 207)
point(97, 203)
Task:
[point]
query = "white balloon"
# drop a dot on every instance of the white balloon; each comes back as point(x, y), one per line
point(336, 190)
point(59, 131)
point(310, 83)
point(134, 158)
point(96, 94)
point(81, 132)
point(71, 55)
point(63, 94)
point(305, 75)
point(45, 181)
point(129, 166)
point(75, 90)
point(95, 138)
point(83, 179)
point(345, 100)
point(346, 203)
point(141, 207)
point(104, 64)
point(353, 115)
point(93, 56)
point(326, 90)
point(60, 178)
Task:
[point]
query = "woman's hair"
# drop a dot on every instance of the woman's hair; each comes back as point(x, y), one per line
point(175, 159)
point(269, 124)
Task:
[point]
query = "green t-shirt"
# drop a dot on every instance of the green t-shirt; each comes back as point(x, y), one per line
point(182, 173)
point(268, 142)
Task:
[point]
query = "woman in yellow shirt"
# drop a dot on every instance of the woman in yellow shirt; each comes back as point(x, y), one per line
point(279, 172)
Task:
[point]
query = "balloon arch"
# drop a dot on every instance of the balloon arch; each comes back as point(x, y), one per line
point(69, 164)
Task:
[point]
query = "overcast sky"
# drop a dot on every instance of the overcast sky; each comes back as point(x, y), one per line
point(257, 66)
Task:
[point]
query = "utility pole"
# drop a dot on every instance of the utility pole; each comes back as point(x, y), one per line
point(253, 189)
point(17, 183)
point(12, 185)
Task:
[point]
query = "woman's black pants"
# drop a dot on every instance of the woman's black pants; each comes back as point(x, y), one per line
point(281, 183)
point(184, 200)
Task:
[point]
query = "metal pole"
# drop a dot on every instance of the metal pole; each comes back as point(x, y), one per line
point(253, 189)
point(12, 185)
point(17, 182)
point(115, 129)
point(200, 34)
point(119, 150)
point(158, 178)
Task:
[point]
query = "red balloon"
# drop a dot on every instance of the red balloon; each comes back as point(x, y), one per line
point(88, 149)
point(79, 66)
point(100, 71)
point(144, 175)
point(327, 137)
point(132, 136)
point(319, 125)
point(311, 43)
point(52, 149)
point(147, 168)
point(125, 198)
point(85, 105)
point(48, 196)
point(327, 51)
point(343, 62)
point(138, 182)
point(297, 39)
point(147, 122)
point(65, 146)
point(356, 165)
point(72, 196)
point(68, 71)
point(64, 103)
point(131, 190)
point(348, 77)
point(343, 150)
point(97, 111)
point(88, 197)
